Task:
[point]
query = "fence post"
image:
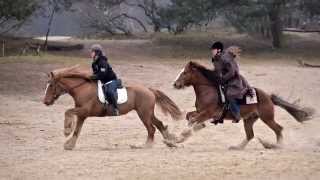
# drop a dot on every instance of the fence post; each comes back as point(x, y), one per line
point(3, 48)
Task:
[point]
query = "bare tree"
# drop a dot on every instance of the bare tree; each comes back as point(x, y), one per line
point(108, 16)
point(14, 13)
point(49, 9)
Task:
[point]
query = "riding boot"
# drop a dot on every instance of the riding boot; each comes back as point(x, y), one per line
point(222, 115)
point(235, 110)
point(116, 112)
point(115, 106)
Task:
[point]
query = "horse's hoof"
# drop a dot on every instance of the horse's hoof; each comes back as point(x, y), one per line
point(171, 137)
point(67, 131)
point(268, 145)
point(169, 143)
point(68, 146)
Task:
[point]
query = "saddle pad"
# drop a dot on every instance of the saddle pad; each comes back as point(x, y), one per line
point(122, 94)
point(253, 99)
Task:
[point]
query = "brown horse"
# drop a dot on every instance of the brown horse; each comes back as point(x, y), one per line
point(208, 106)
point(75, 81)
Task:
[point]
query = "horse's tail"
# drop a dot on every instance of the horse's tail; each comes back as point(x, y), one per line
point(299, 113)
point(167, 105)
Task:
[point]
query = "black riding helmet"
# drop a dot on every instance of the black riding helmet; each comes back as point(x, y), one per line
point(97, 48)
point(217, 45)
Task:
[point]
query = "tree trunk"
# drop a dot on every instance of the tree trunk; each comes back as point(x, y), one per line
point(45, 45)
point(276, 23)
point(156, 28)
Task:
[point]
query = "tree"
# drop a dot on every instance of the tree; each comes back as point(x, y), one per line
point(14, 13)
point(152, 10)
point(310, 7)
point(108, 16)
point(183, 14)
point(258, 16)
point(49, 8)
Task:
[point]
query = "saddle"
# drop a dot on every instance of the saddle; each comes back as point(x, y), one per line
point(122, 95)
point(250, 97)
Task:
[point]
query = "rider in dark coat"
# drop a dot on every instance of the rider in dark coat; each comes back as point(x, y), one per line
point(229, 76)
point(103, 71)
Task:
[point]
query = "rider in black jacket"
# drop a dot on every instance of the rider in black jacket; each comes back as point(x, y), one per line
point(103, 71)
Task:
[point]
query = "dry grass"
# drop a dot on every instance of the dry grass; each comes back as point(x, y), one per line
point(297, 46)
point(191, 45)
point(44, 59)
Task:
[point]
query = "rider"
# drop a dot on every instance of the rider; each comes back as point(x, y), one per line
point(103, 71)
point(229, 77)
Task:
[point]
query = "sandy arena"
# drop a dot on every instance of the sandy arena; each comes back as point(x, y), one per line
point(31, 134)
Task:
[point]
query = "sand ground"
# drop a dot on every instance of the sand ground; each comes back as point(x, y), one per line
point(31, 134)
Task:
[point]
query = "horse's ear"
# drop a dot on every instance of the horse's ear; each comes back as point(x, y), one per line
point(51, 75)
point(192, 65)
point(46, 74)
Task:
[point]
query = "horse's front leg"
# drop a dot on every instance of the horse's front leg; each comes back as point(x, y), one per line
point(196, 123)
point(69, 121)
point(190, 115)
point(71, 141)
point(81, 114)
point(201, 116)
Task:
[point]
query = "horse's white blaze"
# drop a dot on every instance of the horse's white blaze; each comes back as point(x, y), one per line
point(45, 92)
point(179, 74)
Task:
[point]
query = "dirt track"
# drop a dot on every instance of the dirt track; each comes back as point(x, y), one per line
point(31, 135)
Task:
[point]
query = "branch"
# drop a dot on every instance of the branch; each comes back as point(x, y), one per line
point(137, 20)
point(15, 26)
point(304, 64)
point(299, 30)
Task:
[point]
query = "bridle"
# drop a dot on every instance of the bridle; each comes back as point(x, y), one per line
point(66, 90)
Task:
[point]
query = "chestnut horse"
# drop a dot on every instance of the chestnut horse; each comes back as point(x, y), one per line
point(75, 82)
point(208, 106)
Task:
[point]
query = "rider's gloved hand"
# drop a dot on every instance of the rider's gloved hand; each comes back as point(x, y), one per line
point(93, 77)
point(250, 92)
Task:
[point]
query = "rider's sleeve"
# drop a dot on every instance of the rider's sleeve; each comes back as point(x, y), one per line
point(102, 71)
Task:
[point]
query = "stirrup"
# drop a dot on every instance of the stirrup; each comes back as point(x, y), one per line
point(235, 120)
point(217, 121)
point(221, 116)
point(116, 112)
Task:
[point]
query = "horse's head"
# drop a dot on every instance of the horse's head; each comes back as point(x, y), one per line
point(186, 76)
point(53, 90)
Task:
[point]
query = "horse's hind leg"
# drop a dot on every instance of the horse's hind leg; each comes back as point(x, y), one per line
point(162, 128)
point(146, 118)
point(269, 121)
point(248, 126)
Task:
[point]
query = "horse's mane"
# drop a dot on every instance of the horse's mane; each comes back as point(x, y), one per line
point(209, 74)
point(73, 71)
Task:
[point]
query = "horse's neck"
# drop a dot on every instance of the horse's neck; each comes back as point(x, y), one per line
point(200, 80)
point(76, 88)
point(204, 89)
